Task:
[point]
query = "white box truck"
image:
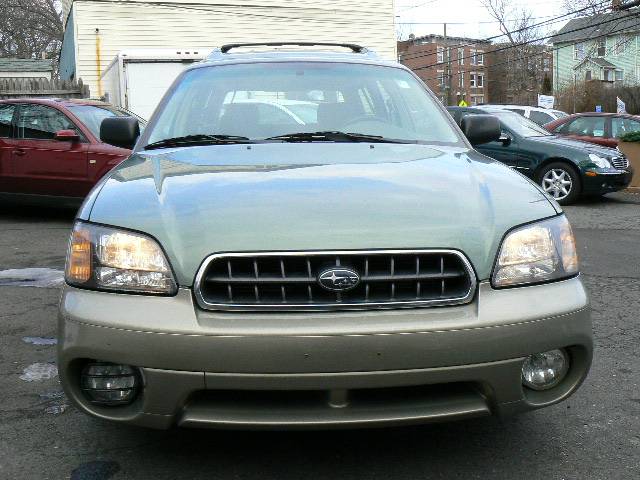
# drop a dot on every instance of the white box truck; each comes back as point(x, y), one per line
point(137, 79)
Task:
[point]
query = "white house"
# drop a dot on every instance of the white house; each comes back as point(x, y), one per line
point(96, 31)
point(25, 68)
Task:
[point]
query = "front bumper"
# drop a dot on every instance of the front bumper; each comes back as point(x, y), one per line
point(605, 181)
point(324, 369)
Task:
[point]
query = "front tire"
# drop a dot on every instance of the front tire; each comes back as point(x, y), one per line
point(561, 181)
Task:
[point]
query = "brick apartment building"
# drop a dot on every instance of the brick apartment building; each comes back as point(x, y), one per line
point(518, 74)
point(427, 55)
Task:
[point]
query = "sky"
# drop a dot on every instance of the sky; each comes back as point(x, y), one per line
point(465, 18)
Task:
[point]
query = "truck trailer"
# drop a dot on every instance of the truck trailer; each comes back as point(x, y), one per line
point(137, 79)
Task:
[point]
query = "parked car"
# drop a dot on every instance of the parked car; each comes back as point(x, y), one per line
point(563, 167)
point(537, 115)
point(50, 150)
point(600, 128)
point(359, 271)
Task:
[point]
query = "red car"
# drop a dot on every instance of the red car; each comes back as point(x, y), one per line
point(50, 150)
point(600, 128)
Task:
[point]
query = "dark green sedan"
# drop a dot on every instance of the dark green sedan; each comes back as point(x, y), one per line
point(563, 167)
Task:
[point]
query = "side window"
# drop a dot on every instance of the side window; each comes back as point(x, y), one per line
point(6, 115)
point(586, 126)
point(540, 117)
point(517, 110)
point(620, 126)
point(40, 122)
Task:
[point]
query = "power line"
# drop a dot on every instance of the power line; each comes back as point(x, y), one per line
point(214, 8)
point(417, 6)
point(488, 39)
point(507, 47)
point(467, 23)
point(536, 53)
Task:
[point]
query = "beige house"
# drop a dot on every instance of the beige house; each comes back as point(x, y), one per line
point(96, 31)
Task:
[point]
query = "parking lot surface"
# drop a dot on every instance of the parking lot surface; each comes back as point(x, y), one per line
point(593, 435)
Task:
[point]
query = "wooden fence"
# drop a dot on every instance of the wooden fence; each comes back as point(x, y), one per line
point(42, 87)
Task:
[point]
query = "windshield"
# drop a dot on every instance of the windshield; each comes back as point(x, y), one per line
point(520, 125)
point(259, 101)
point(92, 115)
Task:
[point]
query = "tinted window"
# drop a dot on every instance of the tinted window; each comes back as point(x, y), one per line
point(585, 126)
point(620, 126)
point(540, 117)
point(6, 115)
point(368, 99)
point(92, 115)
point(520, 125)
point(42, 122)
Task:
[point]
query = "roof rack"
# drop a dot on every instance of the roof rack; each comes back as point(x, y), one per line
point(354, 48)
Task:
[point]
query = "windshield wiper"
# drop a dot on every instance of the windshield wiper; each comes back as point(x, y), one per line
point(332, 136)
point(199, 139)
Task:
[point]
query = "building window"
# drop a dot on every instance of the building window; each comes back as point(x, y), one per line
point(478, 100)
point(440, 53)
point(587, 75)
point(619, 75)
point(461, 56)
point(608, 75)
point(473, 57)
point(476, 80)
point(461, 80)
point(479, 58)
point(546, 63)
point(578, 51)
point(441, 79)
point(620, 46)
point(602, 47)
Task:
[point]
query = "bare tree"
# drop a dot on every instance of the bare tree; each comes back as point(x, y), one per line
point(30, 29)
point(519, 61)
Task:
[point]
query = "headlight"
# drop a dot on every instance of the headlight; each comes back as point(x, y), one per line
point(105, 258)
point(535, 253)
point(600, 161)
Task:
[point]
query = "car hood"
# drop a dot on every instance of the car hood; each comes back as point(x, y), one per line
point(577, 144)
point(314, 196)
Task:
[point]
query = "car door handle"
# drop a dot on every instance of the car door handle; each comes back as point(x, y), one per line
point(19, 152)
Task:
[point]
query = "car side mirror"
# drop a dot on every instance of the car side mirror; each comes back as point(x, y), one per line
point(480, 128)
point(66, 136)
point(505, 139)
point(120, 131)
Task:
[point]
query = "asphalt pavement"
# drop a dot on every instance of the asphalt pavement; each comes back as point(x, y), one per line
point(593, 435)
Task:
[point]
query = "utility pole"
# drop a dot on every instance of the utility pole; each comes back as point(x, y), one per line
point(447, 68)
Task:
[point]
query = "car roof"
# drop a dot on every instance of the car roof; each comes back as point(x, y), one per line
point(58, 101)
point(499, 106)
point(602, 114)
point(366, 57)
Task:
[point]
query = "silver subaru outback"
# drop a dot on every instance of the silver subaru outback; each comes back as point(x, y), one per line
point(305, 238)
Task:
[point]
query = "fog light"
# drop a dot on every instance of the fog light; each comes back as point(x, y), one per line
point(109, 384)
point(542, 371)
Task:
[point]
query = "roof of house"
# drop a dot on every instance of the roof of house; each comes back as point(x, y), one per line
point(25, 65)
point(601, 62)
point(583, 28)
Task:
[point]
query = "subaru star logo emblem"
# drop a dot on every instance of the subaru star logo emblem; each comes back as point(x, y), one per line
point(338, 279)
